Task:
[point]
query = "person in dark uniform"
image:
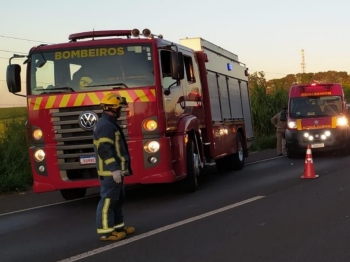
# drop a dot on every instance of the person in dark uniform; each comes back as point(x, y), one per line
point(112, 163)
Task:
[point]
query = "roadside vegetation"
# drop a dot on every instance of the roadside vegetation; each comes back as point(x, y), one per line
point(267, 99)
point(15, 174)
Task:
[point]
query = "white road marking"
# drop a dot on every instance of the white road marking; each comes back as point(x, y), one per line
point(264, 160)
point(159, 230)
point(48, 205)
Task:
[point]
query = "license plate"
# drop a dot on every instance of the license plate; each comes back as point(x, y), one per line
point(87, 160)
point(317, 145)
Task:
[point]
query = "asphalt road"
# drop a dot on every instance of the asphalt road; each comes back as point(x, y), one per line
point(264, 212)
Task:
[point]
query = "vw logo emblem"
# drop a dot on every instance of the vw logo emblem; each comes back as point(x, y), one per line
point(87, 120)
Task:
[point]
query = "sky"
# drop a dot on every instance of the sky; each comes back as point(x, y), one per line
point(266, 35)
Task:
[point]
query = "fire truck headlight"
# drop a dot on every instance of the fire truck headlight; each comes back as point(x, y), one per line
point(311, 138)
point(150, 125)
point(323, 137)
point(39, 155)
point(292, 124)
point(342, 121)
point(37, 134)
point(306, 135)
point(152, 147)
point(327, 133)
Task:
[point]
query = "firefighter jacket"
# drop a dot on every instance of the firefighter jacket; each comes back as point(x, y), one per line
point(276, 121)
point(111, 149)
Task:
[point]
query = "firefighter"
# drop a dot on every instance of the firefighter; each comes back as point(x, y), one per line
point(280, 122)
point(112, 163)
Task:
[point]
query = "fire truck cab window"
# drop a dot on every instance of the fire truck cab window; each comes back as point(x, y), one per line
point(189, 69)
point(93, 68)
point(165, 60)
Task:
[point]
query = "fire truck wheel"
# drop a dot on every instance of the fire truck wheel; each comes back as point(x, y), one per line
point(190, 183)
point(74, 193)
point(238, 158)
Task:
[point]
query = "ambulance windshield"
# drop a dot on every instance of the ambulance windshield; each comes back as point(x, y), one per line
point(92, 68)
point(308, 107)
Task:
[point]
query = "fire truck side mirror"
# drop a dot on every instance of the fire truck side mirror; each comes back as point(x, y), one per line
point(177, 66)
point(13, 78)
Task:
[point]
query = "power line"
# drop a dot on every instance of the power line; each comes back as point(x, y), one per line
point(25, 39)
point(8, 51)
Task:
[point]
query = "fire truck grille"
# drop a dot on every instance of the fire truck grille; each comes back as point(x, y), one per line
point(74, 144)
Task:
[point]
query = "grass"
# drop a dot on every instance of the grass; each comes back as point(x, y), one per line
point(263, 143)
point(12, 112)
point(15, 172)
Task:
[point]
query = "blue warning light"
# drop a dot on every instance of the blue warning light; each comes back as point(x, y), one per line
point(229, 67)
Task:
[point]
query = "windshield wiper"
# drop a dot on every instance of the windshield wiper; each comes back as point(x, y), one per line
point(59, 89)
point(118, 85)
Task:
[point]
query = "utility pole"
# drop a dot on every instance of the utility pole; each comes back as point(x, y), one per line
point(302, 61)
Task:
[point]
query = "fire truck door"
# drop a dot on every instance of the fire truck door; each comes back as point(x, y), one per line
point(174, 102)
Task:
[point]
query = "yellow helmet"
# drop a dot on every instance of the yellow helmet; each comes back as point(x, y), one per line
point(112, 101)
point(85, 81)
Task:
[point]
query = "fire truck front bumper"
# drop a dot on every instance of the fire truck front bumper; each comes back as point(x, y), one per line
point(321, 140)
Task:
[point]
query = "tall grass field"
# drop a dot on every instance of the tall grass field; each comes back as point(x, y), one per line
point(15, 173)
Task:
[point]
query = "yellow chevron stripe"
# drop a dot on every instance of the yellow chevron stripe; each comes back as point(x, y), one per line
point(153, 92)
point(95, 100)
point(142, 95)
point(50, 102)
point(64, 101)
point(126, 95)
point(79, 100)
point(37, 103)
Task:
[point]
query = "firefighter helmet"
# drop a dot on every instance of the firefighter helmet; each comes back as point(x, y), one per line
point(85, 81)
point(112, 101)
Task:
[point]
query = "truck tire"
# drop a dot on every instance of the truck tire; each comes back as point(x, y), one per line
point(190, 183)
point(73, 193)
point(234, 161)
point(238, 158)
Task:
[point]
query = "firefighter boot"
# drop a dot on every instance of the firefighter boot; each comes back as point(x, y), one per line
point(129, 230)
point(114, 236)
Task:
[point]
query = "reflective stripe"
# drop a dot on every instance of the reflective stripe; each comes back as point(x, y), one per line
point(104, 173)
point(110, 160)
point(104, 140)
point(334, 122)
point(118, 151)
point(87, 99)
point(121, 225)
point(104, 214)
point(104, 231)
point(299, 124)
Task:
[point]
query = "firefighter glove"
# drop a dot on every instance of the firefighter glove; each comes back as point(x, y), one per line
point(117, 176)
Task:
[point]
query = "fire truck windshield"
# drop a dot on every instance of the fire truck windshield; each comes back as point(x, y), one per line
point(91, 68)
point(306, 107)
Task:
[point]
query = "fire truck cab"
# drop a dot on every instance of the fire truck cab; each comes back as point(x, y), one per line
point(317, 116)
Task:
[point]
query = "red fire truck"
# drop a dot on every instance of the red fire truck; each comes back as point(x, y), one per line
point(188, 107)
point(317, 116)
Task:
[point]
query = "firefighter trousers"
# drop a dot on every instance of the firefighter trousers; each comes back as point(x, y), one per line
point(281, 141)
point(109, 213)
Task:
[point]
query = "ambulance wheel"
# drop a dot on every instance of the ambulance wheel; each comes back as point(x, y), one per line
point(238, 158)
point(73, 193)
point(190, 183)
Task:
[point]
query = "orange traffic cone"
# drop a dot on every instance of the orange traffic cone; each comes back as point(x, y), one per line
point(309, 170)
